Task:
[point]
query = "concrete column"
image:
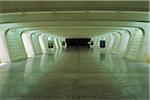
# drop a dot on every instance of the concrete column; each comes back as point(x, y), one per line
point(4, 54)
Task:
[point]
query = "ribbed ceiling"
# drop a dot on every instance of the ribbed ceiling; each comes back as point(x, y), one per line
point(74, 18)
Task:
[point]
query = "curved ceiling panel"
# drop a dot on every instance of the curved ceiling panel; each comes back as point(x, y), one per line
point(76, 31)
point(75, 16)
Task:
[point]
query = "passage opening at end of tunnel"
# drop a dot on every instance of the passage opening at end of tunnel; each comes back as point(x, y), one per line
point(77, 42)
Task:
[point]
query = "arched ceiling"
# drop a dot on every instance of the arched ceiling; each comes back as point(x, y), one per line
point(74, 18)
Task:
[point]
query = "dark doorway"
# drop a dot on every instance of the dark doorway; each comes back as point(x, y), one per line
point(77, 42)
point(102, 43)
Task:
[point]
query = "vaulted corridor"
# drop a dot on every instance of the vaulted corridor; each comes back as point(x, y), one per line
point(74, 50)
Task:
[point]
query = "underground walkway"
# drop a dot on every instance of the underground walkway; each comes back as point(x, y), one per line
point(37, 61)
point(74, 74)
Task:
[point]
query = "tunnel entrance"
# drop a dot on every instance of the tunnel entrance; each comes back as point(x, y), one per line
point(77, 42)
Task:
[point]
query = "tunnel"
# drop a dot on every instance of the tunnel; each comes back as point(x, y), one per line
point(74, 50)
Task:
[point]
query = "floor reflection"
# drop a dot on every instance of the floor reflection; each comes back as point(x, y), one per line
point(75, 74)
point(132, 77)
point(102, 56)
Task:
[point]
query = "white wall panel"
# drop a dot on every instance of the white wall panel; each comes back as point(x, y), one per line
point(28, 44)
point(36, 44)
point(135, 45)
point(15, 46)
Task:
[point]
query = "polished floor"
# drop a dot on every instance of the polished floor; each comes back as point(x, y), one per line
point(74, 74)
